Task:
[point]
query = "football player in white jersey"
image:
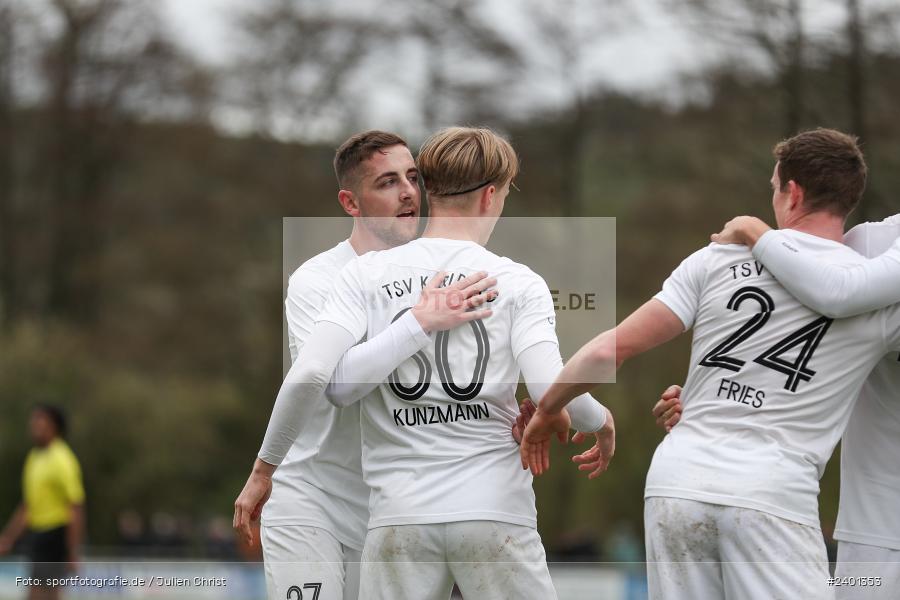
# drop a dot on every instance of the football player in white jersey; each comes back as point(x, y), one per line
point(314, 523)
point(731, 497)
point(868, 523)
point(448, 501)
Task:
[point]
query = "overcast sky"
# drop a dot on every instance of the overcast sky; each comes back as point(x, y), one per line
point(650, 57)
point(637, 59)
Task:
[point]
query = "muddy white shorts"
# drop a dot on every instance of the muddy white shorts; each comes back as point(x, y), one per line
point(488, 560)
point(866, 572)
point(698, 550)
point(308, 563)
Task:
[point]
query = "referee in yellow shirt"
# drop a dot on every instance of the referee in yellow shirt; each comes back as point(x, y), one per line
point(52, 505)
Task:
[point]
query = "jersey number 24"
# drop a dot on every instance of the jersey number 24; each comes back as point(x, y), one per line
point(810, 336)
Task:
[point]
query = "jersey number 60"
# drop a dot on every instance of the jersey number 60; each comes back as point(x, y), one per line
point(423, 382)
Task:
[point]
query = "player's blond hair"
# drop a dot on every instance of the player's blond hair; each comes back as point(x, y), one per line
point(458, 160)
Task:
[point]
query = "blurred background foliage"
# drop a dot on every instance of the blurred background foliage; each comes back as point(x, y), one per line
point(142, 191)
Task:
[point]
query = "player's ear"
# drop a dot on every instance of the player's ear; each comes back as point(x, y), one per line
point(487, 199)
point(796, 194)
point(348, 203)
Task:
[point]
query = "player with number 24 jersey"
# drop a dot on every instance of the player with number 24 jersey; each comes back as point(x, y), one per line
point(771, 384)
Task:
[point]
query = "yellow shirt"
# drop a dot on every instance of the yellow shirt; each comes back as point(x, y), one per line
point(51, 484)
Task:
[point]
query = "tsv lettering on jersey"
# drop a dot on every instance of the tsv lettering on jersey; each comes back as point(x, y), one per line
point(740, 392)
point(746, 269)
point(434, 415)
point(405, 287)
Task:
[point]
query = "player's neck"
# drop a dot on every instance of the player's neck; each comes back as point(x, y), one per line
point(362, 240)
point(456, 227)
point(820, 224)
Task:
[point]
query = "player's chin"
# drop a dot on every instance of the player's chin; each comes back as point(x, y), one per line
point(406, 224)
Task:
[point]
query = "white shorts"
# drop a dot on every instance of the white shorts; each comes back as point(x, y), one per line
point(866, 572)
point(308, 563)
point(697, 550)
point(488, 560)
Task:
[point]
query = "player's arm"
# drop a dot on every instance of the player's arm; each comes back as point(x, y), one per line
point(75, 532)
point(307, 290)
point(652, 324)
point(540, 364)
point(368, 364)
point(301, 389)
point(14, 529)
point(835, 290)
point(73, 488)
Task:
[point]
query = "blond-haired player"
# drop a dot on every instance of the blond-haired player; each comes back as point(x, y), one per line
point(314, 523)
point(448, 503)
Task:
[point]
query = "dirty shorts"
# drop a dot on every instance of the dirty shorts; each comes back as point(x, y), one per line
point(488, 560)
point(699, 550)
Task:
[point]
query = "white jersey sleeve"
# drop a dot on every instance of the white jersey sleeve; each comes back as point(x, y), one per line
point(681, 292)
point(305, 295)
point(534, 325)
point(836, 290)
point(302, 388)
point(367, 365)
point(541, 364)
point(892, 327)
point(533, 319)
point(347, 305)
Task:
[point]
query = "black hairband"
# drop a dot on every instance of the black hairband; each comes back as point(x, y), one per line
point(480, 185)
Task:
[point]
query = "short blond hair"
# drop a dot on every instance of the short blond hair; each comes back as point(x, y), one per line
point(458, 160)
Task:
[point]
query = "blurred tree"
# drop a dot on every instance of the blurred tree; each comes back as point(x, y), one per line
point(294, 67)
point(306, 69)
point(856, 80)
point(108, 60)
point(564, 37)
point(7, 143)
point(468, 62)
point(774, 29)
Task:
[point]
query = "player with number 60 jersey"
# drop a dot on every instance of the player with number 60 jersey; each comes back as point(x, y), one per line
point(436, 443)
point(449, 501)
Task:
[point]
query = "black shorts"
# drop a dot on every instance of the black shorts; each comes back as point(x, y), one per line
point(49, 553)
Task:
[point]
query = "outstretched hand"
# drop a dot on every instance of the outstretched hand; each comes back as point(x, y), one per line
point(596, 459)
point(535, 447)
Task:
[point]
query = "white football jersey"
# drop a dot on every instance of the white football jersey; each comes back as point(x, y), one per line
point(770, 387)
point(320, 482)
point(870, 450)
point(436, 437)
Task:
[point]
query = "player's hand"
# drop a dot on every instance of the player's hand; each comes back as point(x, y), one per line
point(526, 411)
point(249, 504)
point(596, 460)
point(6, 545)
point(741, 230)
point(535, 447)
point(442, 308)
point(667, 410)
